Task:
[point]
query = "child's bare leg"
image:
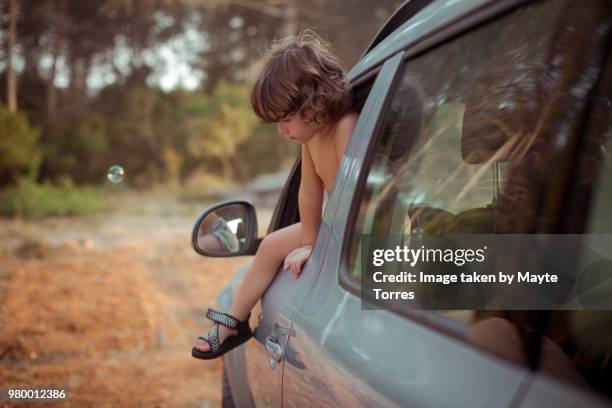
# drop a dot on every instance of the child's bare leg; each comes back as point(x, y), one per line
point(271, 253)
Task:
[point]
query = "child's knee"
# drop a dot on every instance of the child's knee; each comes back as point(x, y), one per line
point(270, 247)
point(278, 244)
point(266, 247)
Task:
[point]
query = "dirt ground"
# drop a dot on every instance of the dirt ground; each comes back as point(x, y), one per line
point(108, 306)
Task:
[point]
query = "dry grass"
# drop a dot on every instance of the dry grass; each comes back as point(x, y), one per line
point(110, 319)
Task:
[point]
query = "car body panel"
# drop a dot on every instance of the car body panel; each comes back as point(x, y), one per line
point(345, 348)
point(279, 302)
point(334, 337)
point(369, 120)
point(337, 352)
point(286, 294)
point(247, 363)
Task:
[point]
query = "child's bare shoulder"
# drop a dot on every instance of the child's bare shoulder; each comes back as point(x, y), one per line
point(348, 121)
point(345, 126)
point(344, 130)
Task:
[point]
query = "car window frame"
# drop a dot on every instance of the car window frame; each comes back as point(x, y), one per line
point(431, 41)
point(435, 35)
point(431, 319)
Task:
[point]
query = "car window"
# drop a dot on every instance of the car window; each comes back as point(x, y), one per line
point(585, 336)
point(483, 135)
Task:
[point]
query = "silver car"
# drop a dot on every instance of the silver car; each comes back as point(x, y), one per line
point(476, 117)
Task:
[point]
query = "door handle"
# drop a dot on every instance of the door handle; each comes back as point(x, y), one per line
point(275, 350)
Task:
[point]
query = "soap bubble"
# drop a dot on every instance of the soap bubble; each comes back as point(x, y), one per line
point(115, 174)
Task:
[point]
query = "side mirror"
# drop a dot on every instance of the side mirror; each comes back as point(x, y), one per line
point(226, 229)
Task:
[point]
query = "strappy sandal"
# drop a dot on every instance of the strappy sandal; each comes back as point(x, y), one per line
point(212, 337)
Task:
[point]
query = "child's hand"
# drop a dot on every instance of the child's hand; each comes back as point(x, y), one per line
point(297, 258)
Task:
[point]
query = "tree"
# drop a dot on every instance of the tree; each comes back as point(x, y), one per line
point(19, 150)
point(234, 40)
point(11, 78)
point(66, 45)
point(228, 122)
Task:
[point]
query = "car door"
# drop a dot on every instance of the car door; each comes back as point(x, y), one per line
point(446, 146)
point(304, 373)
point(265, 354)
point(254, 370)
point(264, 358)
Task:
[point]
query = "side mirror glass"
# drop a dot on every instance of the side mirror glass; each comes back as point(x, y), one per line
point(227, 229)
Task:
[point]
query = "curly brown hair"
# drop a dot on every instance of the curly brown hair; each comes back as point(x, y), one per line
point(301, 75)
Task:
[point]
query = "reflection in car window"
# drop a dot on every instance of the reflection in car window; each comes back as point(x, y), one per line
point(586, 335)
point(484, 135)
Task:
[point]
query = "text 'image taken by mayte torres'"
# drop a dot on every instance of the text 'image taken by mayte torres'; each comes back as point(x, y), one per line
point(516, 272)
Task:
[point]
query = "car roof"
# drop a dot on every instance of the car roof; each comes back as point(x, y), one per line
point(429, 17)
point(404, 12)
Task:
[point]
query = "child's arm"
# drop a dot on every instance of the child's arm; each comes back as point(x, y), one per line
point(310, 199)
point(343, 133)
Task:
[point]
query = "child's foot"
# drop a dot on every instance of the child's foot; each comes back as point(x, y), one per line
point(224, 332)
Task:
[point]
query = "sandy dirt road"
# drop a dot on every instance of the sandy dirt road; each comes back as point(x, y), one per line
point(108, 306)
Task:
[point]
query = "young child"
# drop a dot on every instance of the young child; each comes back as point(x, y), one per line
point(304, 91)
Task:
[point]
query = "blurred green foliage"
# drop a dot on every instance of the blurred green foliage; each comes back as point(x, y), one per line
point(20, 151)
point(88, 89)
point(157, 137)
point(224, 137)
point(76, 148)
point(166, 137)
point(264, 152)
point(34, 200)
